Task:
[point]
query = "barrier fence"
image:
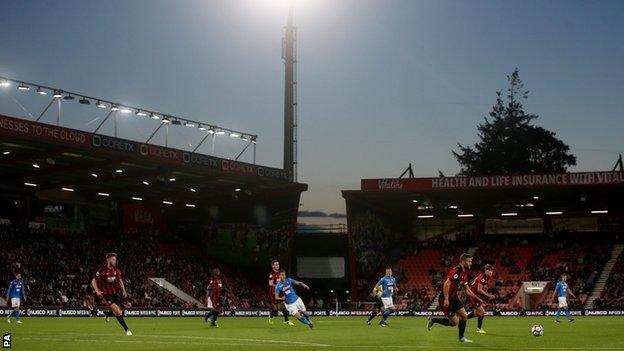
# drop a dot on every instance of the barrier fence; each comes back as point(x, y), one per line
point(165, 312)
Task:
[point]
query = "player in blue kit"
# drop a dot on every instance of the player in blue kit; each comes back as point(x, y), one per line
point(388, 286)
point(285, 291)
point(15, 293)
point(562, 290)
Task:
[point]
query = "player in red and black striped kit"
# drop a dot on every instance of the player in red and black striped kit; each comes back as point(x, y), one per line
point(107, 285)
point(479, 287)
point(213, 292)
point(276, 305)
point(453, 307)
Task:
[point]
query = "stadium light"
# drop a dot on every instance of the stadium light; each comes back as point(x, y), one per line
point(137, 198)
point(67, 189)
point(172, 179)
point(6, 152)
point(114, 106)
point(145, 182)
point(535, 197)
point(425, 216)
point(30, 184)
point(119, 171)
point(599, 211)
point(193, 190)
point(415, 201)
point(94, 175)
point(35, 165)
point(452, 207)
point(167, 202)
point(237, 190)
point(465, 215)
point(104, 194)
point(190, 205)
point(509, 214)
point(553, 213)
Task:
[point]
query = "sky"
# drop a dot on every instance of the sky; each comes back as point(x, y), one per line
point(380, 83)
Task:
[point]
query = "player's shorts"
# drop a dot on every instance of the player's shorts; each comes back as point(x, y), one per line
point(387, 302)
point(563, 302)
point(377, 303)
point(15, 302)
point(110, 299)
point(455, 305)
point(475, 303)
point(296, 307)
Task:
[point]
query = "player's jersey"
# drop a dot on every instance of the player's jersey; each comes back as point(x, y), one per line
point(480, 279)
point(458, 279)
point(388, 284)
point(561, 288)
point(286, 289)
point(108, 280)
point(213, 290)
point(16, 289)
point(274, 277)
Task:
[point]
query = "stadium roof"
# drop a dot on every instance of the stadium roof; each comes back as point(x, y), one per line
point(50, 159)
point(491, 196)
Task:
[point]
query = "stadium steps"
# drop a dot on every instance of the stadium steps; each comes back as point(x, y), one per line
point(604, 275)
point(164, 284)
point(434, 303)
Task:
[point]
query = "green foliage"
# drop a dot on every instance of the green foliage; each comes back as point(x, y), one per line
point(510, 143)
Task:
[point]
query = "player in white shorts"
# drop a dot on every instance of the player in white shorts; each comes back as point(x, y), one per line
point(562, 290)
point(388, 286)
point(15, 294)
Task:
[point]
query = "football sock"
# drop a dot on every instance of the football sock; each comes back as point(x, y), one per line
point(471, 315)
point(304, 320)
point(273, 313)
point(17, 315)
point(557, 314)
point(480, 322)
point(386, 314)
point(121, 321)
point(215, 315)
point(567, 312)
point(462, 328)
point(372, 315)
point(285, 313)
point(443, 321)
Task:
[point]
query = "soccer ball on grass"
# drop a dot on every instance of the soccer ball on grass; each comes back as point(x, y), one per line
point(537, 330)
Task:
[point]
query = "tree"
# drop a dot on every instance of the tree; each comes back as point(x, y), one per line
point(510, 143)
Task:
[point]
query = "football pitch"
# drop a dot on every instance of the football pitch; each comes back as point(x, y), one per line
point(340, 333)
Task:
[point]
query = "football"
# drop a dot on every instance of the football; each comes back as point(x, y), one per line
point(537, 330)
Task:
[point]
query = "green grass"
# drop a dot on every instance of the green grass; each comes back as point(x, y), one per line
point(342, 333)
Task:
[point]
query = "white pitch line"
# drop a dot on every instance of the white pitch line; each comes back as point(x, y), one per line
point(192, 337)
point(316, 345)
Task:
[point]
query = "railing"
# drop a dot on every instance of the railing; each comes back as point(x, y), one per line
point(322, 229)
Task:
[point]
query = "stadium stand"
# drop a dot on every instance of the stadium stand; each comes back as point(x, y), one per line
point(59, 266)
